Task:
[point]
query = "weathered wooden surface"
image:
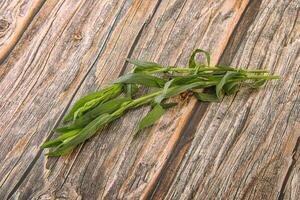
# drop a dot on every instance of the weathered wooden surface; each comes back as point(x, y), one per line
point(15, 15)
point(245, 147)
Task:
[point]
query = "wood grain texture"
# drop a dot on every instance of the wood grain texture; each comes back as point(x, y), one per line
point(291, 187)
point(112, 164)
point(15, 16)
point(247, 147)
point(46, 68)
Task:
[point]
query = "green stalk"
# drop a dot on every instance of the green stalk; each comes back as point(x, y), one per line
point(206, 68)
point(137, 102)
point(263, 77)
point(257, 70)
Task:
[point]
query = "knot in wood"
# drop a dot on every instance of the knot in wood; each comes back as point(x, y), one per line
point(4, 25)
point(77, 36)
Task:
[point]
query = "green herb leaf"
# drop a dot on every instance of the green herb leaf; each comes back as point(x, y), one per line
point(192, 61)
point(144, 66)
point(227, 68)
point(64, 129)
point(231, 88)
point(61, 152)
point(131, 89)
point(89, 100)
point(83, 135)
point(175, 90)
point(256, 84)
point(142, 63)
point(177, 81)
point(206, 97)
point(229, 76)
point(141, 79)
point(168, 105)
point(107, 107)
point(57, 141)
point(152, 117)
point(87, 106)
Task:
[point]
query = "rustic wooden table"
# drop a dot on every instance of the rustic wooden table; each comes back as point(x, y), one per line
point(54, 51)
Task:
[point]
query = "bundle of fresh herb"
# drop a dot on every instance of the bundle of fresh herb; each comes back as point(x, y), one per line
point(93, 112)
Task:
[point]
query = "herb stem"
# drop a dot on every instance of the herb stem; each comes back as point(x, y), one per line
point(206, 68)
point(144, 99)
point(263, 77)
point(257, 70)
point(137, 102)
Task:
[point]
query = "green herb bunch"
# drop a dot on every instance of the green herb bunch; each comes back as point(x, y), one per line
point(93, 112)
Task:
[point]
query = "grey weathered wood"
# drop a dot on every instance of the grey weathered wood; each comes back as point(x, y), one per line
point(244, 147)
point(15, 16)
point(291, 187)
point(113, 162)
point(45, 70)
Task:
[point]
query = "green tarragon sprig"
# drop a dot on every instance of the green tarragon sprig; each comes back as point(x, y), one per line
point(93, 112)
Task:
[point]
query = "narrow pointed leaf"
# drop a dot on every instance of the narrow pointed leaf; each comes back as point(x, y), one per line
point(227, 68)
point(231, 88)
point(60, 152)
point(256, 84)
point(177, 81)
point(144, 66)
point(88, 106)
point(141, 79)
point(60, 139)
point(87, 132)
point(105, 108)
point(109, 92)
point(206, 97)
point(175, 90)
point(142, 63)
point(64, 129)
point(152, 117)
point(168, 105)
point(131, 90)
point(219, 88)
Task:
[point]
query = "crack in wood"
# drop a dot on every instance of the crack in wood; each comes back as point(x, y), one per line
point(247, 18)
point(183, 144)
point(290, 168)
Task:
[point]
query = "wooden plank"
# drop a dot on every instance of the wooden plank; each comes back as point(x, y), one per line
point(46, 68)
point(291, 184)
point(247, 147)
point(113, 165)
point(15, 16)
